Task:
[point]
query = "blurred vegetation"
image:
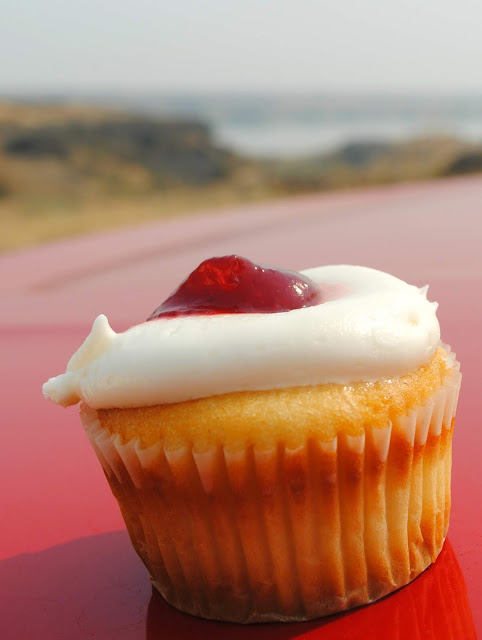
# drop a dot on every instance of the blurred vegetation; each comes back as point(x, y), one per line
point(72, 169)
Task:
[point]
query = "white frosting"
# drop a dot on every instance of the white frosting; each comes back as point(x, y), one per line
point(379, 328)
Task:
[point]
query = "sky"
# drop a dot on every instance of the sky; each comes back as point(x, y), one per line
point(244, 45)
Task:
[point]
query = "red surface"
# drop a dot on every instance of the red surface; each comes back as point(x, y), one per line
point(66, 566)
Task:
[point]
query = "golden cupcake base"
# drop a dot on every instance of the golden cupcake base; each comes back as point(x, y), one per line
point(286, 534)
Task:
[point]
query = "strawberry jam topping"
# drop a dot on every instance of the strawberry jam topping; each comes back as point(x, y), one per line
point(231, 284)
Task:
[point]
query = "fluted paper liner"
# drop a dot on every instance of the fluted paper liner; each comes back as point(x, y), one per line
point(288, 534)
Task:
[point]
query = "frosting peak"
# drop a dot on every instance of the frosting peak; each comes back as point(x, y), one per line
point(371, 326)
point(96, 343)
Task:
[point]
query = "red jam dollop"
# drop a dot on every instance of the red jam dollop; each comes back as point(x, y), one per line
point(231, 284)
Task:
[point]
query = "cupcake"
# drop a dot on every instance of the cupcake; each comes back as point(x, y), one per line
point(279, 443)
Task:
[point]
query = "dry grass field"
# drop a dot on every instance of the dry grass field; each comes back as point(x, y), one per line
point(25, 223)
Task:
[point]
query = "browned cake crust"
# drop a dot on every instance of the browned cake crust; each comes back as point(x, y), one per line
point(328, 516)
point(265, 418)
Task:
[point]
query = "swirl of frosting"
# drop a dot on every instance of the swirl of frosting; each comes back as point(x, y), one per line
point(372, 326)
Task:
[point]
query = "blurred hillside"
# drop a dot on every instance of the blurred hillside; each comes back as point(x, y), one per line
point(68, 169)
point(74, 152)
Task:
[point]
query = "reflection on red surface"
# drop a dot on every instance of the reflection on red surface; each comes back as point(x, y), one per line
point(97, 588)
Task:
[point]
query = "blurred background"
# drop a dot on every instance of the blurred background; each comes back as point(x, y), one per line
point(113, 113)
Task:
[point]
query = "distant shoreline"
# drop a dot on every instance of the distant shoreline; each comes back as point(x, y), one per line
point(288, 139)
point(269, 124)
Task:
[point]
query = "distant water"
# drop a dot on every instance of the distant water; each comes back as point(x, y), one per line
point(296, 138)
point(291, 124)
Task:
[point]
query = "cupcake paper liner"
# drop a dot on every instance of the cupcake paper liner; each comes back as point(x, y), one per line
point(288, 534)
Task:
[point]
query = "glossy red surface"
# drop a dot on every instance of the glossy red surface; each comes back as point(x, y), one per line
point(67, 569)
